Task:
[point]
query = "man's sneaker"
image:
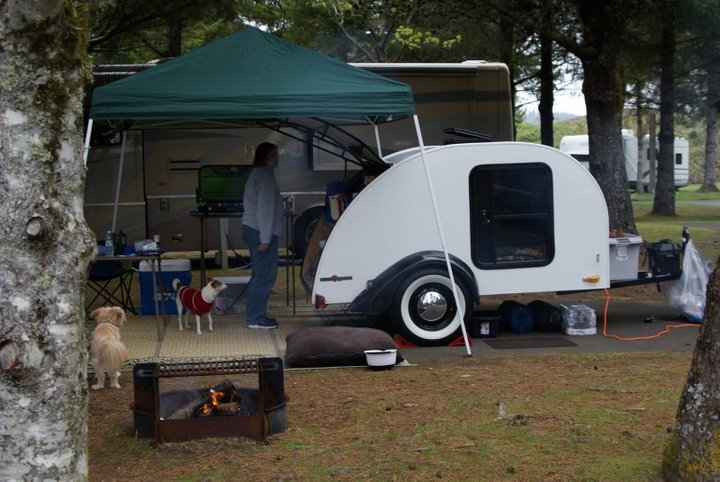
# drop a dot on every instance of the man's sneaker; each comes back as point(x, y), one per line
point(263, 323)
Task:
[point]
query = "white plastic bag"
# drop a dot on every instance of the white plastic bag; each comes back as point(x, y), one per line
point(687, 294)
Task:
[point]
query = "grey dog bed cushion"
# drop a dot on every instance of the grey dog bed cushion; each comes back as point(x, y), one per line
point(330, 346)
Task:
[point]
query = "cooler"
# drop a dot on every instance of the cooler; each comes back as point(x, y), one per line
point(171, 269)
point(624, 257)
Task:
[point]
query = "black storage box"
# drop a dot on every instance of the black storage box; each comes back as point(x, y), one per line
point(485, 324)
point(665, 258)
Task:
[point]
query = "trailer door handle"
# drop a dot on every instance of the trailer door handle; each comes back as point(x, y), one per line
point(485, 215)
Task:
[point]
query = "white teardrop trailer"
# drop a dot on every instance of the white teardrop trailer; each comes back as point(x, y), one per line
point(514, 218)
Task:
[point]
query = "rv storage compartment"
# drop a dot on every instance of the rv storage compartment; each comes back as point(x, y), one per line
point(624, 257)
point(171, 269)
point(578, 320)
point(664, 258)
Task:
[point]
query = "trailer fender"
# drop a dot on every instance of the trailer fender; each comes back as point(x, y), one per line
point(378, 297)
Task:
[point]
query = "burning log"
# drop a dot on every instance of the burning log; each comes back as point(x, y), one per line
point(227, 407)
point(221, 400)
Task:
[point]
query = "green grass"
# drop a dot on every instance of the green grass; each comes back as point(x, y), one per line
point(703, 221)
point(687, 193)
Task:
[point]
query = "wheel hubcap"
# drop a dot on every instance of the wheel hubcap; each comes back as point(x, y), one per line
point(431, 306)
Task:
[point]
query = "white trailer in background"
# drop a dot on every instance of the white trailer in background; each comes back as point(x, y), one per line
point(577, 146)
point(516, 218)
point(681, 161)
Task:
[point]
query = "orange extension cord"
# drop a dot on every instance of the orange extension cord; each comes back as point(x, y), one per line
point(667, 329)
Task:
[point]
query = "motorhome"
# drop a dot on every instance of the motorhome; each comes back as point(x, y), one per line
point(160, 170)
point(577, 146)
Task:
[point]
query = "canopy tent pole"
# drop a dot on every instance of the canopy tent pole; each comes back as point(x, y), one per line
point(377, 141)
point(119, 181)
point(86, 146)
point(441, 234)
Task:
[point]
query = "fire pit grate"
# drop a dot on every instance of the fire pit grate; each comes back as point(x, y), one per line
point(162, 406)
point(207, 368)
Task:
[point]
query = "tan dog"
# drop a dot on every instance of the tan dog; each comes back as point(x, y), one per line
point(107, 352)
point(197, 302)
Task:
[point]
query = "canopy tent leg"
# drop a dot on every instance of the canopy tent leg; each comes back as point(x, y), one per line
point(377, 141)
point(86, 146)
point(441, 234)
point(119, 181)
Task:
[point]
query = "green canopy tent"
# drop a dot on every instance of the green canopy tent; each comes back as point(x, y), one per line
point(252, 78)
point(251, 75)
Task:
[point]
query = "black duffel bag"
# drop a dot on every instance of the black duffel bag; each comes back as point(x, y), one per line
point(547, 317)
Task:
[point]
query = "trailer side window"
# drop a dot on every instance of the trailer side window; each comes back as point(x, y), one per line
point(511, 216)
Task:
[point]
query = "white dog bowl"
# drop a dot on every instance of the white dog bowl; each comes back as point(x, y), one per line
point(381, 359)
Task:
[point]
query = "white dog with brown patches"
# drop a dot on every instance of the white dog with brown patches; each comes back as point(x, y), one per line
point(197, 302)
point(107, 352)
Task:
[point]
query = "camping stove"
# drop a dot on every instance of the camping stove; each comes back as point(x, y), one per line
point(184, 401)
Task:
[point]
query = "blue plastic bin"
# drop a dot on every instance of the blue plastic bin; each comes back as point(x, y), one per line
point(171, 269)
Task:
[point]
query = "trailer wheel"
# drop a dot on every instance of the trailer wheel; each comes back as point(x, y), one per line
point(424, 311)
point(303, 228)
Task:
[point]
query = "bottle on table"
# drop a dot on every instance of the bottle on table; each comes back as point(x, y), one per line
point(109, 244)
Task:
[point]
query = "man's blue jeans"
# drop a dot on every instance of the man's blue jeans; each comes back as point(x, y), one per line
point(263, 275)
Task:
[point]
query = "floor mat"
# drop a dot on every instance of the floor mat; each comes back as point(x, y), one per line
point(538, 342)
point(230, 338)
point(139, 335)
point(149, 340)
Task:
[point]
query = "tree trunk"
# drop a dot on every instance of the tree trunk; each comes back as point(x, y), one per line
point(692, 454)
point(664, 201)
point(711, 151)
point(604, 25)
point(547, 82)
point(174, 35)
point(46, 245)
point(604, 99)
point(652, 152)
point(639, 177)
point(711, 128)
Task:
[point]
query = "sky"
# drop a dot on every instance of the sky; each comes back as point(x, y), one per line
point(569, 101)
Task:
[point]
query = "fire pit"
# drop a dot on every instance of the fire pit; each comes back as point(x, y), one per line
point(186, 401)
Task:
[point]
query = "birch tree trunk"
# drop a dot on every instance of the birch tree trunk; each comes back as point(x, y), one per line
point(45, 244)
point(693, 453)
